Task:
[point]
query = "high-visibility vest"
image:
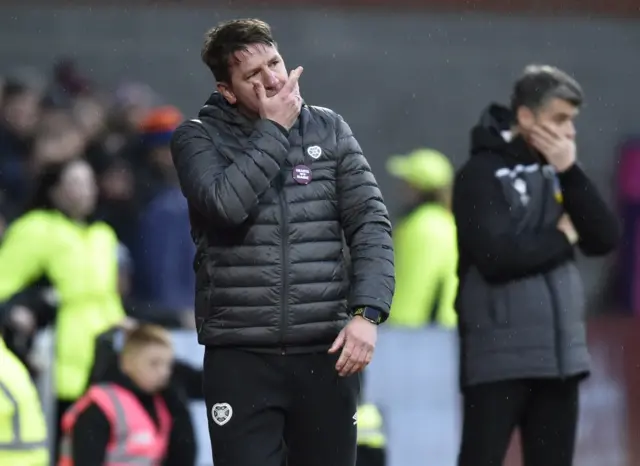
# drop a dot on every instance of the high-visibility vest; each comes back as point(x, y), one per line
point(426, 261)
point(369, 424)
point(135, 439)
point(23, 429)
point(80, 261)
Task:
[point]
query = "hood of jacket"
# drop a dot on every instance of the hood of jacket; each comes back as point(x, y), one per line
point(493, 130)
point(218, 108)
point(493, 134)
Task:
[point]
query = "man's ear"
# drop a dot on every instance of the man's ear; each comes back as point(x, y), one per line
point(227, 93)
point(526, 118)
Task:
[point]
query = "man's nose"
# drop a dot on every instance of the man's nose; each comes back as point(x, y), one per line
point(571, 131)
point(270, 79)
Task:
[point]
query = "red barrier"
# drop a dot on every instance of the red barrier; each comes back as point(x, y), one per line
point(609, 433)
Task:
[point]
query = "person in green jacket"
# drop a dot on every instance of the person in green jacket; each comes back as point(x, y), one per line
point(425, 244)
point(372, 441)
point(55, 239)
point(23, 428)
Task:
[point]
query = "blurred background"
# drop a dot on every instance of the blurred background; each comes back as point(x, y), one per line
point(109, 84)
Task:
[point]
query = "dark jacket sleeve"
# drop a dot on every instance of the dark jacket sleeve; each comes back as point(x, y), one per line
point(595, 223)
point(225, 190)
point(90, 437)
point(487, 233)
point(366, 226)
point(182, 448)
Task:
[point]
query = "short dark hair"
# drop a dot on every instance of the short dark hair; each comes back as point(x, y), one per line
point(48, 178)
point(539, 83)
point(224, 40)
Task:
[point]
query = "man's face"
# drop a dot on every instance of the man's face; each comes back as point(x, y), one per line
point(259, 63)
point(149, 367)
point(557, 114)
point(20, 112)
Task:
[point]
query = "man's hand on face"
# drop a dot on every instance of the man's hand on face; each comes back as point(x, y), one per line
point(560, 151)
point(357, 340)
point(284, 107)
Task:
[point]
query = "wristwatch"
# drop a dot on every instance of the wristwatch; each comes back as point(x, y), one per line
point(367, 313)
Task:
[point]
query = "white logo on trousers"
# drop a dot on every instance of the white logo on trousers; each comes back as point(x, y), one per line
point(221, 413)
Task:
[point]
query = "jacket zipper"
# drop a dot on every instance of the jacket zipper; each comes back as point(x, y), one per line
point(554, 301)
point(284, 241)
point(556, 327)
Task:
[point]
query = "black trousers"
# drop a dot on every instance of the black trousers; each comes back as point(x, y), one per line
point(272, 409)
point(545, 411)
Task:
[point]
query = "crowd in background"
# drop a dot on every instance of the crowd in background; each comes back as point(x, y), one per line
point(47, 118)
point(50, 117)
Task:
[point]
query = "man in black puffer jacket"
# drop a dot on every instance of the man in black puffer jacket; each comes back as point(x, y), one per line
point(280, 195)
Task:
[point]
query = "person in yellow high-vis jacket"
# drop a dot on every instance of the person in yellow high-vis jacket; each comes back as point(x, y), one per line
point(23, 429)
point(54, 239)
point(425, 244)
point(372, 442)
point(371, 439)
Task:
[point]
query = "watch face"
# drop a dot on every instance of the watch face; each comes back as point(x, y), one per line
point(372, 315)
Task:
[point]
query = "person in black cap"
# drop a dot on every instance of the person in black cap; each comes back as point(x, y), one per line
point(280, 195)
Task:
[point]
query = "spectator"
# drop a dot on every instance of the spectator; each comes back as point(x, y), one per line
point(55, 238)
point(129, 400)
point(58, 140)
point(23, 428)
point(165, 251)
point(19, 116)
point(135, 307)
point(185, 385)
point(132, 102)
point(118, 204)
point(424, 241)
point(372, 442)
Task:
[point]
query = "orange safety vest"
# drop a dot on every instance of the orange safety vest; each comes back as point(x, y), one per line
point(135, 439)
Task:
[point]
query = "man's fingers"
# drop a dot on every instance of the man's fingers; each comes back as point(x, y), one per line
point(544, 140)
point(345, 355)
point(337, 343)
point(541, 142)
point(362, 361)
point(541, 135)
point(548, 131)
point(368, 357)
point(354, 360)
point(260, 92)
point(292, 83)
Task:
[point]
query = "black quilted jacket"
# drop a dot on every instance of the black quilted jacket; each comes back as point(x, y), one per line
point(280, 264)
